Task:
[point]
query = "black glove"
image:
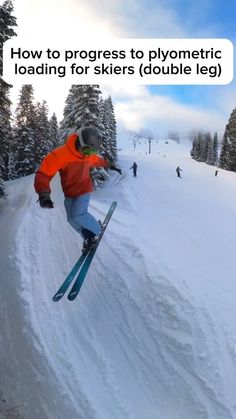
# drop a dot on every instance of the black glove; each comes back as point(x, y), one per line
point(45, 200)
point(116, 169)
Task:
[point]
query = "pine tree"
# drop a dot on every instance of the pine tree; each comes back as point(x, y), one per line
point(228, 149)
point(231, 131)
point(193, 149)
point(25, 142)
point(54, 131)
point(81, 109)
point(215, 148)
point(6, 136)
point(108, 127)
point(111, 127)
point(89, 106)
point(224, 153)
point(2, 188)
point(7, 22)
point(104, 126)
point(11, 162)
point(44, 142)
point(198, 147)
point(204, 145)
point(71, 121)
point(101, 113)
point(210, 151)
point(204, 148)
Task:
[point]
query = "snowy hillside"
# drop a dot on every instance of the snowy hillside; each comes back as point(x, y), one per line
point(152, 334)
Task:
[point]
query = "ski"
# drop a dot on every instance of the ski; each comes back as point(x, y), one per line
point(89, 257)
point(64, 287)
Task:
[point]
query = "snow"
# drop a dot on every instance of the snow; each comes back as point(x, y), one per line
point(152, 333)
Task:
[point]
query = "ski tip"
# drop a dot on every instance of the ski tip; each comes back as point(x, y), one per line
point(57, 297)
point(72, 296)
point(113, 205)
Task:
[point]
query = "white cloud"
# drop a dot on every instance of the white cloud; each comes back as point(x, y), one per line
point(124, 92)
point(162, 113)
point(57, 19)
point(132, 18)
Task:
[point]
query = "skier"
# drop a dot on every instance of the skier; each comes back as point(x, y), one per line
point(134, 167)
point(74, 160)
point(178, 170)
point(216, 172)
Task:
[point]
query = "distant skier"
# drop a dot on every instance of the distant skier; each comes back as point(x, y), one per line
point(178, 170)
point(73, 161)
point(216, 172)
point(134, 167)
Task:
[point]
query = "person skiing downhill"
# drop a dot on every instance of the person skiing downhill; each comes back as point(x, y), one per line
point(134, 167)
point(74, 160)
point(178, 170)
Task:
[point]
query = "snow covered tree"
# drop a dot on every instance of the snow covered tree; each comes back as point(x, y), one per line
point(111, 127)
point(108, 123)
point(70, 121)
point(25, 141)
point(198, 145)
point(7, 23)
point(6, 136)
point(81, 108)
point(215, 148)
point(210, 151)
point(54, 131)
point(204, 145)
point(205, 149)
point(89, 109)
point(2, 188)
point(42, 129)
point(193, 149)
point(228, 148)
point(104, 118)
point(224, 153)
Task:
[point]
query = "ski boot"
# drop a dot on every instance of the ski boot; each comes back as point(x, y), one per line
point(101, 226)
point(90, 240)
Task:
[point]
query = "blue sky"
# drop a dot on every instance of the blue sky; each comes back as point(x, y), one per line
point(216, 16)
point(211, 18)
point(159, 108)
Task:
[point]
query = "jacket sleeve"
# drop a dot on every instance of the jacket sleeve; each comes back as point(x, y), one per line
point(97, 161)
point(49, 167)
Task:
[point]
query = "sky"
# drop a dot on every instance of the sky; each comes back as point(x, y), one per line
point(157, 108)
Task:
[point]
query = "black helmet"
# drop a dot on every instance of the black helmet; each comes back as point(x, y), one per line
point(89, 137)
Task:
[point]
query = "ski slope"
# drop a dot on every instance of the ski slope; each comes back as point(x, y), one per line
point(152, 334)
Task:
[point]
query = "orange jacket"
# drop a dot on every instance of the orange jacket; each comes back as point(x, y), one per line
point(73, 166)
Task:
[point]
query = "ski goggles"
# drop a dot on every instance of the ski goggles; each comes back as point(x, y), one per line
point(88, 151)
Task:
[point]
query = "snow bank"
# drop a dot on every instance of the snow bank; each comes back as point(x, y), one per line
point(152, 333)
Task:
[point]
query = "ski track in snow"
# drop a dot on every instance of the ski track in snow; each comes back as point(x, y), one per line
point(151, 334)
